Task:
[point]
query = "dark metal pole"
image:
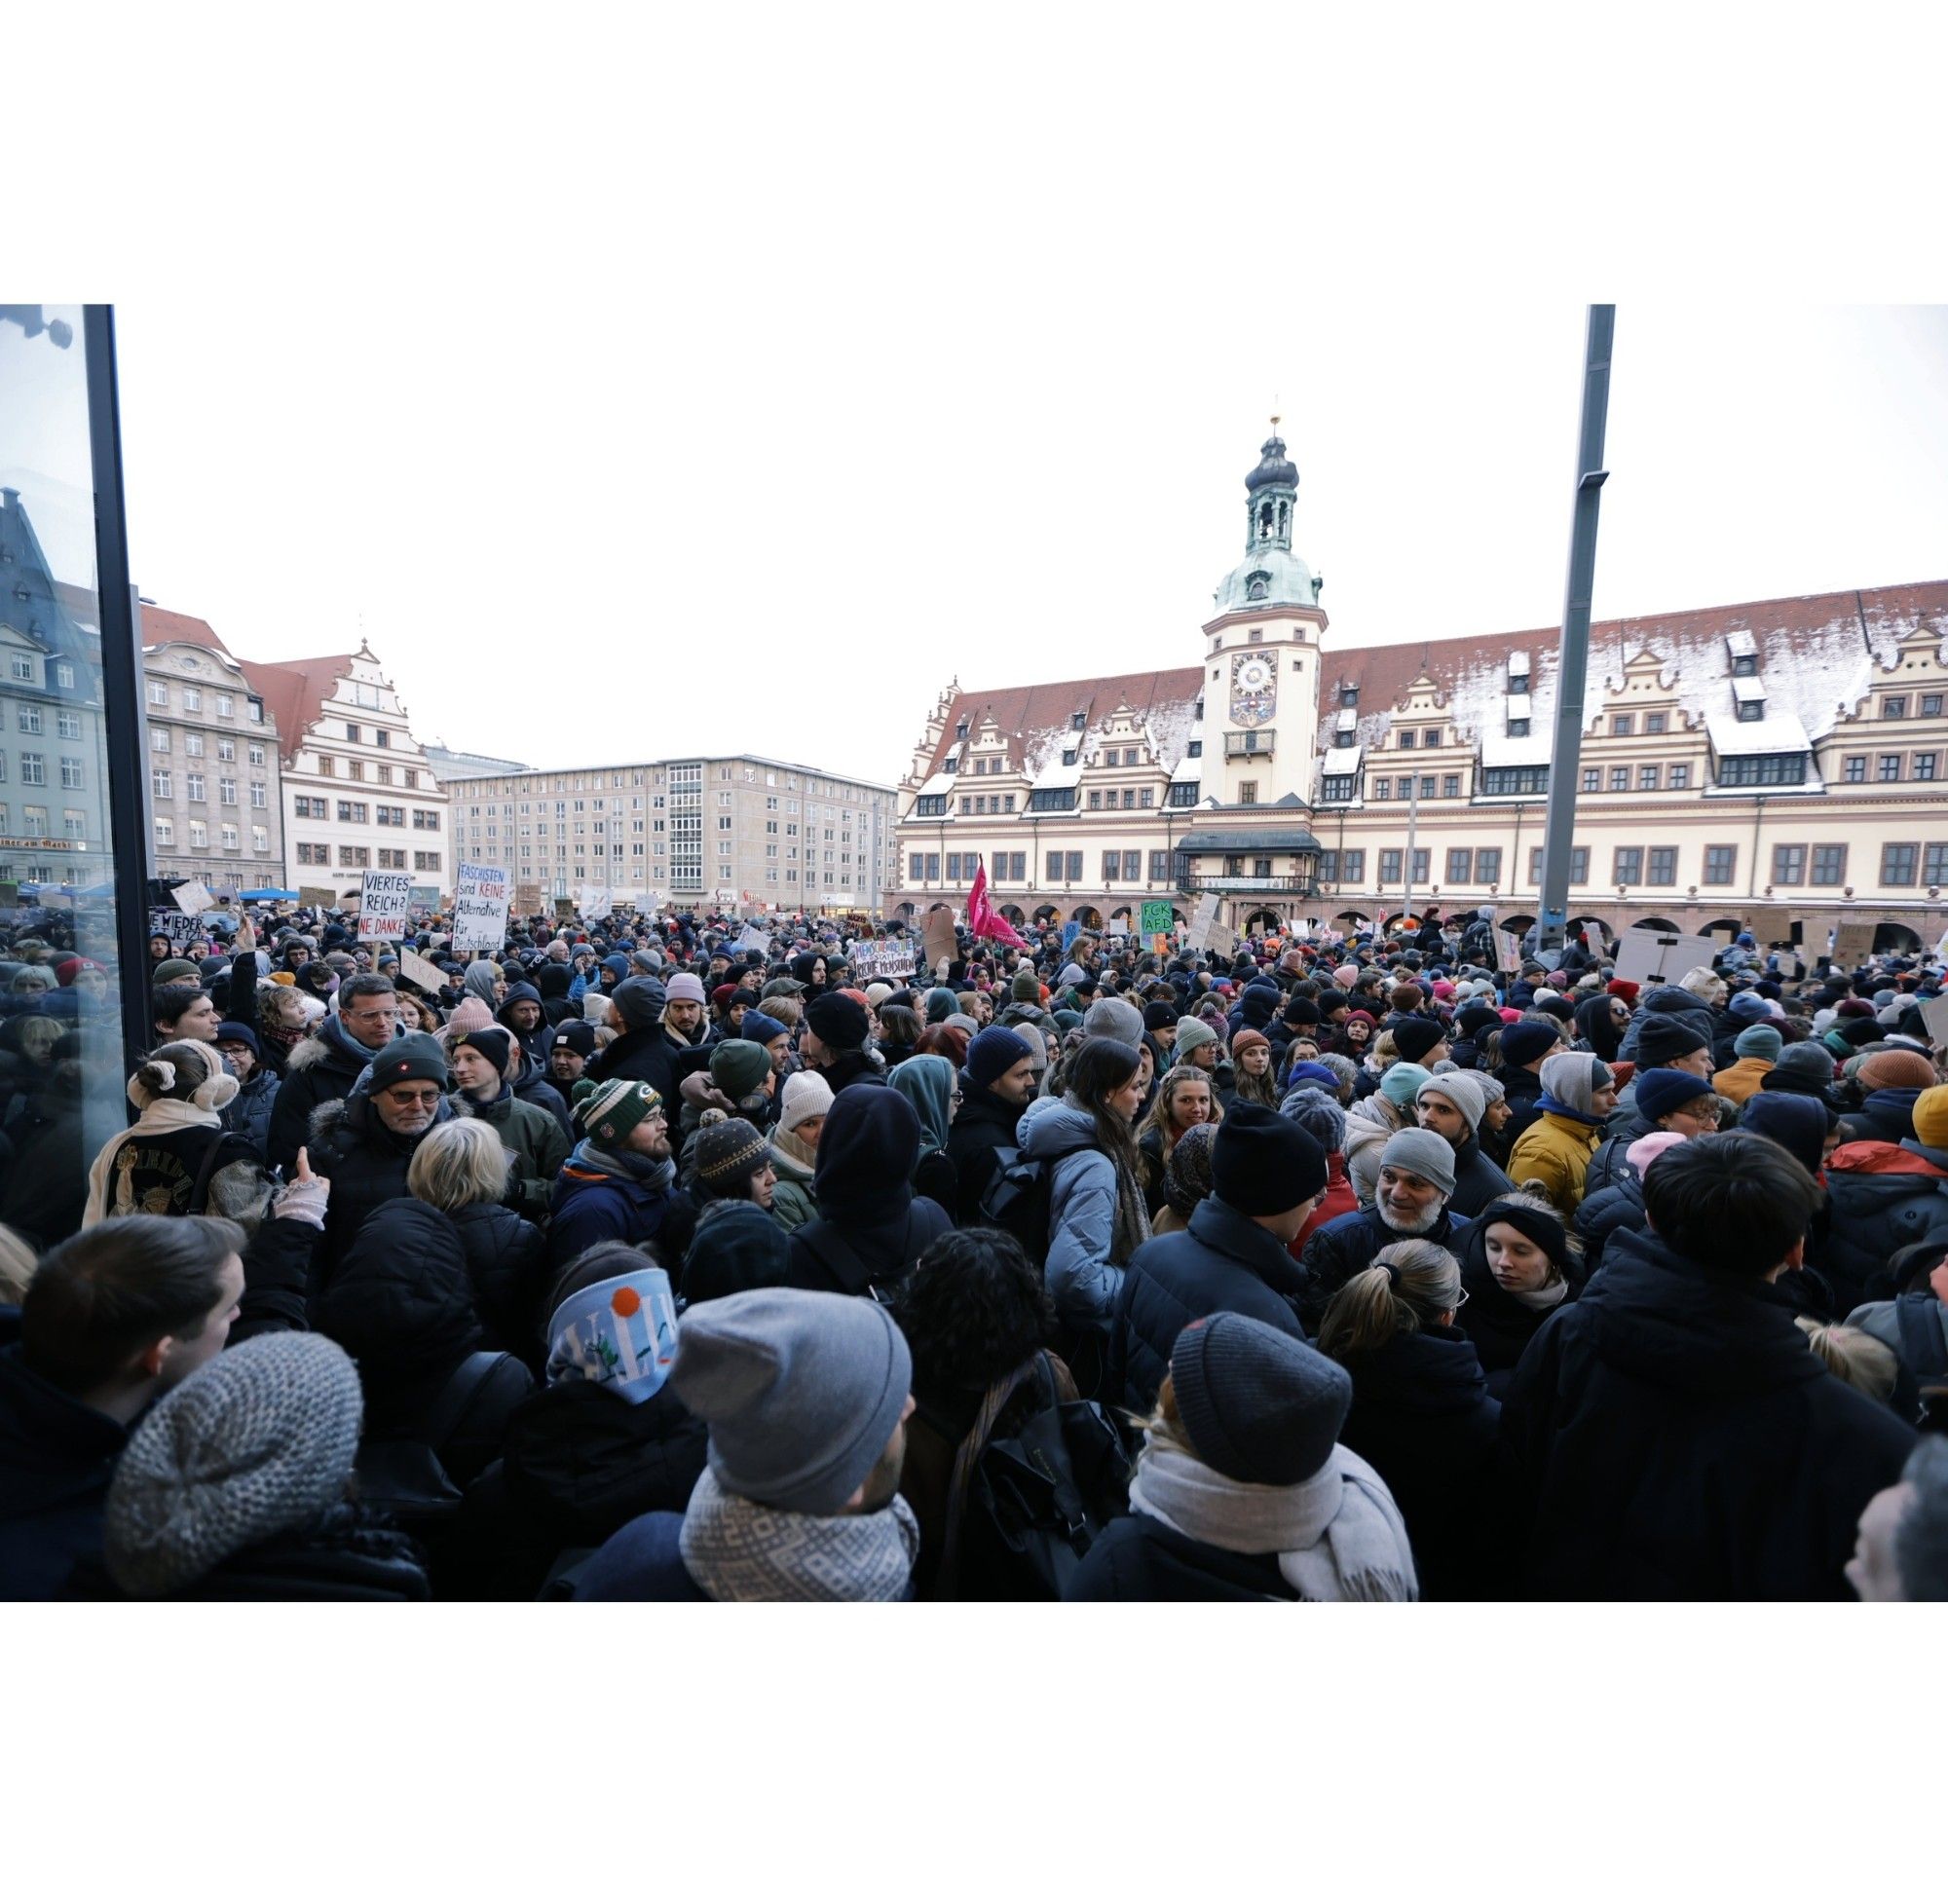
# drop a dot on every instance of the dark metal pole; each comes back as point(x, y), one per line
point(1573, 664)
point(121, 681)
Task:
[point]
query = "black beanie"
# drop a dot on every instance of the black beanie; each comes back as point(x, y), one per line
point(1159, 1016)
point(1414, 1037)
point(1661, 1037)
point(838, 1021)
point(491, 1042)
point(416, 1057)
point(1472, 1021)
point(1527, 1039)
point(1263, 1164)
point(1258, 1405)
point(1330, 1001)
point(1300, 1011)
point(577, 1034)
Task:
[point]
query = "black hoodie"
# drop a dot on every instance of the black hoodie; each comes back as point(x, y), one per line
point(871, 1227)
point(1670, 1435)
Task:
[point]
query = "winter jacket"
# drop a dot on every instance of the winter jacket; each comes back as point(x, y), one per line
point(508, 1264)
point(1556, 1150)
point(642, 1560)
point(1914, 1325)
point(1522, 1090)
point(1137, 1557)
point(1477, 1182)
point(1673, 1001)
point(1499, 1326)
point(1740, 1081)
point(791, 1196)
point(1368, 1125)
point(249, 1114)
point(1082, 1276)
point(645, 1054)
point(1881, 1197)
point(536, 1042)
point(871, 1227)
point(367, 1165)
point(532, 1137)
point(1422, 1416)
point(983, 1126)
point(1618, 1205)
point(532, 1087)
point(321, 1070)
point(347, 1553)
point(1885, 1115)
point(57, 1455)
point(593, 1202)
point(1223, 1261)
point(1339, 1200)
point(1345, 1247)
point(1669, 1436)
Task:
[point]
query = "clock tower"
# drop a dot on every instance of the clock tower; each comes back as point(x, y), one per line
point(1261, 651)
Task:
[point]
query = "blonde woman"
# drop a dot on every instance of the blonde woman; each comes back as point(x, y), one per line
point(1421, 1412)
point(460, 1166)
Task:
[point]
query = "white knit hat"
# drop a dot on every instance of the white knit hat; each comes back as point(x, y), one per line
point(806, 1095)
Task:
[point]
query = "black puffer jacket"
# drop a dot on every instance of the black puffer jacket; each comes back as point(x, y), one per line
point(506, 1261)
point(321, 1070)
point(982, 1126)
point(1670, 1436)
point(645, 1054)
point(367, 1165)
point(1422, 1415)
point(1223, 1261)
point(1336, 1253)
point(1138, 1558)
point(1880, 1198)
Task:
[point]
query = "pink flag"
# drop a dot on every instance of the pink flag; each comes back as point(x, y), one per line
point(982, 918)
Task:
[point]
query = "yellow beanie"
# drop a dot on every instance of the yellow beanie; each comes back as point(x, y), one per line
point(1931, 1117)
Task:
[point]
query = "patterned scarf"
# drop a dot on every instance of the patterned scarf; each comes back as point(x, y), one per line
point(739, 1550)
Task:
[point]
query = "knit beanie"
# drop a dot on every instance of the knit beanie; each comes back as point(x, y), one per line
point(493, 1042)
point(806, 1095)
point(641, 1001)
point(1415, 1037)
point(1400, 1084)
point(839, 1022)
point(1463, 1091)
point(608, 1112)
point(1573, 1078)
point(1245, 1038)
point(1309, 1071)
point(1263, 1164)
point(761, 1027)
point(1797, 1125)
point(1624, 989)
point(1191, 1032)
point(1026, 988)
point(1662, 1037)
point(1158, 1015)
point(1930, 1118)
point(231, 1033)
point(1649, 1147)
point(415, 1057)
point(1425, 1155)
point(1186, 1177)
point(739, 1068)
point(257, 1442)
point(470, 1015)
point(939, 1002)
point(1809, 1061)
point(173, 970)
point(727, 1153)
point(577, 1034)
point(800, 1390)
point(1114, 1018)
point(1759, 1041)
point(1472, 1021)
point(1258, 1405)
point(1895, 1071)
point(620, 1333)
point(1749, 1006)
point(1527, 1038)
point(993, 1052)
point(1660, 1092)
point(685, 988)
point(1493, 1090)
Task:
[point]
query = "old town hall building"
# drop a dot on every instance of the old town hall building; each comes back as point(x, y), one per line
point(1783, 753)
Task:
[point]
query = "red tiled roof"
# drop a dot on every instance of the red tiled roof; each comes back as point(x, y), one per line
point(294, 693)
point(159, 625)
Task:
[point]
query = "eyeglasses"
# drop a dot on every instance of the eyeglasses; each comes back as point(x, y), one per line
point(403, 1099)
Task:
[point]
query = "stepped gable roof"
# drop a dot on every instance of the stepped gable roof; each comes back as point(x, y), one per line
point(1036, 718)
point(1816, 654)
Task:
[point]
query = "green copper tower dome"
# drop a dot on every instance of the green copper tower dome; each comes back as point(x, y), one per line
point(1270, 576)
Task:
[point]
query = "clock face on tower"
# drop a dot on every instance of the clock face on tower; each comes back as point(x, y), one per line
point(1254, 687)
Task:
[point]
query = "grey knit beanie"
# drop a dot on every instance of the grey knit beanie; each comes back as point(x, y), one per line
point(1463, 1091)
point(801, 1389)
point(1425, 1155)
point(1190, 1033)
point(255, 1444)
point(1113, 1017)
point(1258, 1405)
point(1573, 1078)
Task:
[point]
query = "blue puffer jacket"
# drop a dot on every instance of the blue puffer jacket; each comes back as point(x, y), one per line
point(596, 1204)
point(1081, 1210)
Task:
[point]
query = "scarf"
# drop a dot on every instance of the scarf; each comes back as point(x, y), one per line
point(739, 1550)
point(331, 1030)
point(1546, 1298)
point(1548, 1104)
point(656, 1173)
point(1338, 1535)
point(160, 1115)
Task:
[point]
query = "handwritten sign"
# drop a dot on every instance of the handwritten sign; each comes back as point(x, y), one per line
point(1934, 1016)
point(385, 903)
point(1853, 942)
point(1158, 916)
point(193, 896)
point(941, 942)
point(888, 959)
point(480, 907)
point(422, 972)
point(321, 899)
point(1769, 925)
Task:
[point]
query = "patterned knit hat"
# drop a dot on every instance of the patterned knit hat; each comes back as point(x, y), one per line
point(729, 1153)
point(257, 1442)
point(608, 1112)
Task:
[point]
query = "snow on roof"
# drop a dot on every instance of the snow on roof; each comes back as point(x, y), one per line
point(939, 783)
point(1521, 707)
point(1776, 734)
point(1517, 660)
point(1747, 687)
point(1740, 642)
point(1187, 768)
point(1055, 775)
point(1343, 760)
point(1524, 750)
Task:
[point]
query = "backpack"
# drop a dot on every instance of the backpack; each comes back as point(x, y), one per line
point(843, 1263)
point(406, 1480)
point(1017, 1200)
point(1022, 1512)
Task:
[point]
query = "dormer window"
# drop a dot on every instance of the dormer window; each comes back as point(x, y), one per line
point(1197, 711)
point(1752, 710)
point(1745, 665)
point(951, 765)
point(1195, 750)
point(1076, 723)
point(1349, 697)
point(1517, 730)
point(960, 731)
point(1068, 757)
point(1517, 684)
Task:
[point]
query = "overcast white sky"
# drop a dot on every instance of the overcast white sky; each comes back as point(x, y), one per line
point(700, 393)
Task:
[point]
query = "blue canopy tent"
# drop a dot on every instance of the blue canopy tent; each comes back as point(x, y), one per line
point(267, 892)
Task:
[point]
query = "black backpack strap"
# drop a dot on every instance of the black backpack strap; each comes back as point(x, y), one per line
point(836, 1256)
point(1923, 1346)
point(462, 1389)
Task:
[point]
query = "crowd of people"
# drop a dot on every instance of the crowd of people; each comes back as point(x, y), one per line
point(682, 1256)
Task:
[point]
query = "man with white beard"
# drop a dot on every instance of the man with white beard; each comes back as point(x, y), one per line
point(1417, 1180)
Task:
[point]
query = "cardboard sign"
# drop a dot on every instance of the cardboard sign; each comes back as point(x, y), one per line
point(420, 971)
point(1934, 1015)
point(1511, 952)
point(173, 925)
point(1659, 957)
point(753, 940)
point(384, 903)
point(941, 942)
point(1769, 925)
point(528, 898)
point(1158, 916)
point(1853, 942)
point(480, 907)
point(322, 899)
point(888, 959)
point(194, 897)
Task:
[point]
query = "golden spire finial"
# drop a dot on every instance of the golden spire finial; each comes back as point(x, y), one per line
point(1277, 412)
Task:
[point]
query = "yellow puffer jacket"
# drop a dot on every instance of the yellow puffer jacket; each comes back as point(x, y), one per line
point(1739, 1081)
point(1556, 1150)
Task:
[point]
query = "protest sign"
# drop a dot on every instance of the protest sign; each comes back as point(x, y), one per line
point(385, 904)
point(480, 907)
point(420, 971)
point(1769, 925)
point(194, 897)
point(1158, 916)
point(886, 959)
point(941, 942)
point(321, 899)
point(174, 926)
point(753, 940)
point(1652, 957)
point(1853, 942)
point(1934, 1016)
point(528, 898)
